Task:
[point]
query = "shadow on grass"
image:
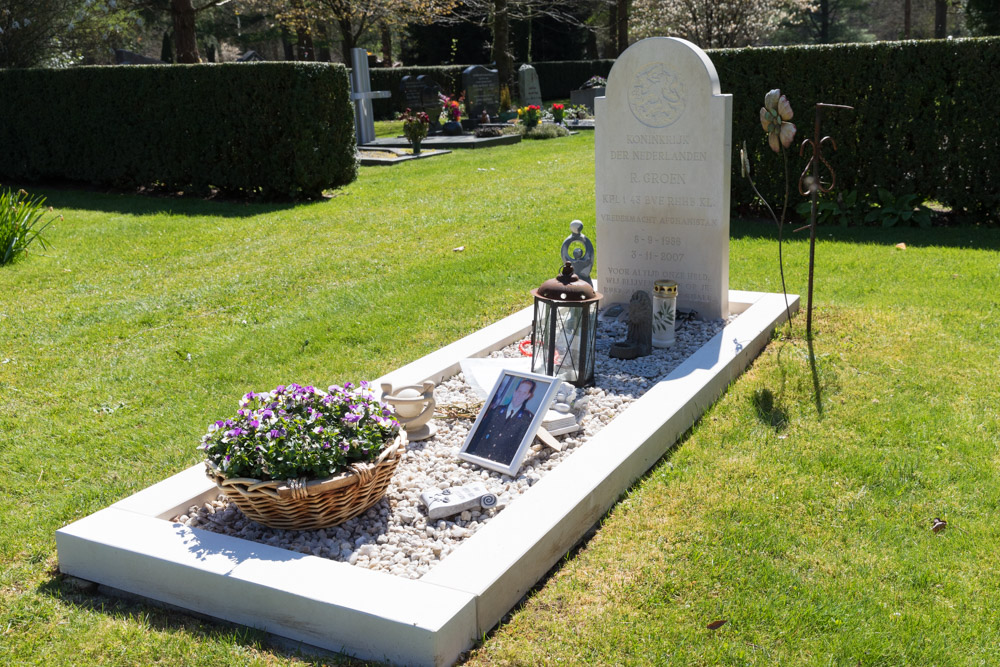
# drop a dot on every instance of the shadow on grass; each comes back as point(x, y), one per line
point(654, 469)
point(768, 412)
point(765, 402)
point(168, 619)
point(964, 236)
point(817, 396)
point(89, 198)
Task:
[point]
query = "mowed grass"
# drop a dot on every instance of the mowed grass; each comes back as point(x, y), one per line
point(798, 510)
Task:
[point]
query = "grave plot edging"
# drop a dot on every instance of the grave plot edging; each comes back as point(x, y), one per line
point(134, 547)
point(507, 556)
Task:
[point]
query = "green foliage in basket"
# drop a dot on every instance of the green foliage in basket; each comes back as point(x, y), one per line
point(297, 431)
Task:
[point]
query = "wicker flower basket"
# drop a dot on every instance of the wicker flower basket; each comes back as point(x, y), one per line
point(311, 505)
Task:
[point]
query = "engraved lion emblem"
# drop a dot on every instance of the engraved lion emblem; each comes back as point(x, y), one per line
point(656, 96)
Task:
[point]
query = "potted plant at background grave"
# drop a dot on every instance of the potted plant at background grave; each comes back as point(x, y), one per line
point(558, 111)
point(302, 459)
point(415, 127)
point(591, 88)
point(451, 114)
point(577, 113)
point(530, 115)
point(506, 108)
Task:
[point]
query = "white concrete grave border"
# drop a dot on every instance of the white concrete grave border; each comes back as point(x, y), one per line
point(133, 546)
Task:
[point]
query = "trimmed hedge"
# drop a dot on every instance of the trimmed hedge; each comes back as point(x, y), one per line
point(923, 121)
point(257, 129)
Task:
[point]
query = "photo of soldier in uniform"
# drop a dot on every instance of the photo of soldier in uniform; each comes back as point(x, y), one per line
point(509, 421)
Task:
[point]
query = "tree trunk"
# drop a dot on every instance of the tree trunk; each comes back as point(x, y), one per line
point(303, 36)
point(906, 19)
point(940, 19)
point(347, 41)
point(622, 18)
point(167, 49)
point(323, 51)
point(591, 45)
point(185, 39)
point(612, 51)
point(501, 42)
point(286, 44)
point(385, 34)
point(305, 44)
point(824, 21)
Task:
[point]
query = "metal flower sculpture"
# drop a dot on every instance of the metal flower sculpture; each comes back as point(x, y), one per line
point(774, 117)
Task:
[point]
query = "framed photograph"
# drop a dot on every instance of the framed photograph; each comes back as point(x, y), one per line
point(509, 420)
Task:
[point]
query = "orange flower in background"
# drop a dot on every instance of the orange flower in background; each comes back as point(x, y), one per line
point(774, 117)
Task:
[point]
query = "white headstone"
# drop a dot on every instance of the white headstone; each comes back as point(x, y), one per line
point(663, 150)
point(527, 83)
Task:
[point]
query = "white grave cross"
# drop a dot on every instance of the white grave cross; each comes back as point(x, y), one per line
point(362, 96)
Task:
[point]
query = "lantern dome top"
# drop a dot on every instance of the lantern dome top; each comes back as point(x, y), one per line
point(567, 287)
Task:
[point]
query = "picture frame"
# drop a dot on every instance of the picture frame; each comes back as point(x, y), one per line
point(498, 441)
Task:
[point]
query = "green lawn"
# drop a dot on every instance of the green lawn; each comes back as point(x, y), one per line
point(798, 510)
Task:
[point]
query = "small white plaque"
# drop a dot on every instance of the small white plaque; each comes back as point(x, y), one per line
point(453, 500)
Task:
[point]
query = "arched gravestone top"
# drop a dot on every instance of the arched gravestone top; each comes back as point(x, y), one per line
point(659, 56)
point(482, 91)
point(527, 84)
point(662, 153)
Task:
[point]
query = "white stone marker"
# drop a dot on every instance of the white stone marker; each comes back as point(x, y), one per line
point(663, 148)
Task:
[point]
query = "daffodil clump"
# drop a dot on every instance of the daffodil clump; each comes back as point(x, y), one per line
point(296, 431)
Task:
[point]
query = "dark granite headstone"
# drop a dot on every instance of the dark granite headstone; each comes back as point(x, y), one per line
point(482, 91)
point(421, 94)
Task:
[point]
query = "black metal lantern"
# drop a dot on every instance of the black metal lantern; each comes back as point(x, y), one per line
point(564, 328)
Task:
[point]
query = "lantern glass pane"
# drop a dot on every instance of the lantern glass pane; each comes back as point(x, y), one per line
point(540, 338)
point(588, 337)
point(567, 342)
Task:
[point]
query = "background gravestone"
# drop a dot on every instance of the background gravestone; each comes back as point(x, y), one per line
point(421, 94)
point(663, 146)
point(482, 91)
point(527, 83)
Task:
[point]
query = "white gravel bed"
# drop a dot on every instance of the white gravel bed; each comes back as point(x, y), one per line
point(395, 535)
